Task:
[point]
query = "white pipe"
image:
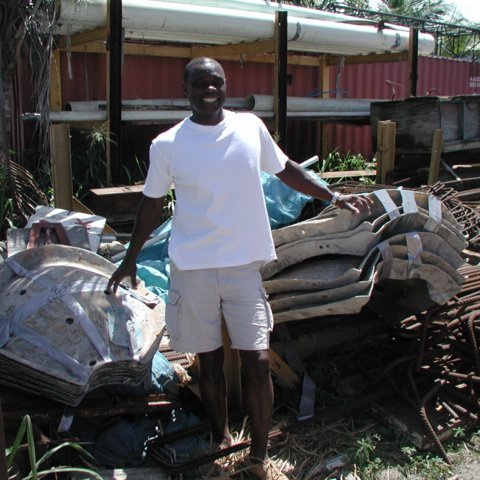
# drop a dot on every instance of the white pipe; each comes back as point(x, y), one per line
point(310, 161)
point(174, 116)
point(154, 104)
point(127, 116)
point(270, 7)
point(189, 23)
point(91, 116)
point(305, 104)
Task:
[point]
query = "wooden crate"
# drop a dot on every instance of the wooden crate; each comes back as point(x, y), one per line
point(417, 118)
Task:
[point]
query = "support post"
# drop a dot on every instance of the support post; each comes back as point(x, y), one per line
point(114, 90)
point(325, 89)
point(280, 72)
point(386, 132)
point(55, 82)
point(61, 164)
point(436, 156)
point(413, 61)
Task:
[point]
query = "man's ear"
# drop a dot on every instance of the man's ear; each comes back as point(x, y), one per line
point(184, 88)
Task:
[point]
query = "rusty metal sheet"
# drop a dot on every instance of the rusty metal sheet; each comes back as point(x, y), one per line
point(62, 334)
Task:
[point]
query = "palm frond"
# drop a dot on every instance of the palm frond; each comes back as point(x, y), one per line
point(29, 194)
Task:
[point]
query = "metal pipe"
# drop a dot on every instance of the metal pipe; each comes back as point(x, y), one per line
point(155, 104)
point(173, 116)
point(281, 55)
point(305, 104)
point(190, 23)
point(169, 116)
point(271, 7)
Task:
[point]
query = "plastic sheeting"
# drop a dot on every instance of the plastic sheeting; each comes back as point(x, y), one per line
point(284, 206)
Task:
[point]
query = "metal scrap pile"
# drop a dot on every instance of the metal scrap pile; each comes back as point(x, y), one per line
point(416, 278)
point(433, 364)
point(400, 258)
point(464, 208)
point(62, 335)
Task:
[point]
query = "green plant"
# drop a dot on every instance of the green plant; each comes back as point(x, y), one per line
point(169, 205)
point(427, 465)
point(36, 472)
point(89, 164)
point(6, 203)
point(142, 168)
point(140, 172)
point(19, 195)
point(364, 450)
point(97, 140)
point(336, 162)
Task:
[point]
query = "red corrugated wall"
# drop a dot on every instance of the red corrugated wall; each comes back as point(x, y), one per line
point(436, 76)
point(160, 77)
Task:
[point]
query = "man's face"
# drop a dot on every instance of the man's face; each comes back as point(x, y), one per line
point(205, 87)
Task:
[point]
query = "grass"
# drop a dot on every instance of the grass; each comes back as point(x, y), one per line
point(40, 468)
point(365, 442)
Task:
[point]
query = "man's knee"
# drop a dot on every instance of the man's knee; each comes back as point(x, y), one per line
point(211, 365)
point(255, 366)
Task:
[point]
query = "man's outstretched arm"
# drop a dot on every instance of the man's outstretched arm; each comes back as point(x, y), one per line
point(295, 176)
point(149, 216)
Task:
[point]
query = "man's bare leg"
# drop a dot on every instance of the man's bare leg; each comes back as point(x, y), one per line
point(258, 398)
point(213, 390)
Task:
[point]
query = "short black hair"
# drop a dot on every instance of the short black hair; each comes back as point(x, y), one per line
point(195, 62)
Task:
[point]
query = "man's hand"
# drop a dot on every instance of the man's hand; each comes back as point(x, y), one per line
point(354, 203)
point(126, 269)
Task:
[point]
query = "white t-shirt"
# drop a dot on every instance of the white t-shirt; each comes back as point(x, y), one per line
point(220, 217)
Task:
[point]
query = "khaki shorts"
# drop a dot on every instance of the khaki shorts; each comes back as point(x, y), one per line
point(198, 299)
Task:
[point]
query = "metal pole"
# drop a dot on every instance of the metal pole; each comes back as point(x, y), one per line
point(114, 97)
point(281, 57)
point(413, 61)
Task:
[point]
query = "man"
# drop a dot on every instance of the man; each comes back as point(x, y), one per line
point(219, 238)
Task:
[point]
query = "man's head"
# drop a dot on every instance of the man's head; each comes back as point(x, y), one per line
point(205, 86)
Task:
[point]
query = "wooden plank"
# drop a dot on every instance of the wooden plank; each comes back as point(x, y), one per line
point(113, 201)
point(270, 58)
point(45, 412)
point(126, 189)
point(55, 82)
point(348, 173)
point(252, 54)
point(448, 147)
point(417, 118)
point(385, 151)
point(261, 46)
point(78, 206)
point(61, 164)
point(81, 39)
point(282, 372)
point(371, 58)
point(435, 156)
point(461, 146)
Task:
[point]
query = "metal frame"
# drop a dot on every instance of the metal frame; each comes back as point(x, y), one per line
point(442, 31)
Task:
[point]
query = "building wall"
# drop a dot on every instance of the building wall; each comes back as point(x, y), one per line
point(144, 77)
point(436, 76)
